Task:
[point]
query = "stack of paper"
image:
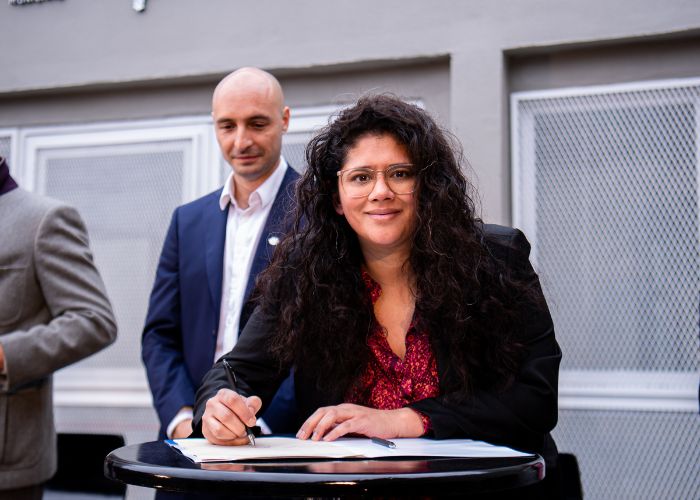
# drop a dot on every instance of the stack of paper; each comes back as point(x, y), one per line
point(200, 450)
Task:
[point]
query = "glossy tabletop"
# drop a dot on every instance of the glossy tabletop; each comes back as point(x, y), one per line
point(157, 465)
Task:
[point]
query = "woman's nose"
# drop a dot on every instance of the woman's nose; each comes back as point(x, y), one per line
point(381, 189)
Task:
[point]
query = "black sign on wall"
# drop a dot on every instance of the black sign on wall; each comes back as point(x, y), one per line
point(27, 2)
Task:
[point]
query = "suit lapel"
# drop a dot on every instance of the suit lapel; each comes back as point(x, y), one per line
point(214, 255)
point(275, 227)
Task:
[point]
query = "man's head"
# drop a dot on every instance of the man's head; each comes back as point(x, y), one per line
point(249, 119)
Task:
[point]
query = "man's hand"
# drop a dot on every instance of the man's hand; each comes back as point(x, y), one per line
point(183, 429)
point(225, 415)
point(331, 422)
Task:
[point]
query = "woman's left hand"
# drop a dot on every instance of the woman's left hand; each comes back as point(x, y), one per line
point(331, 422)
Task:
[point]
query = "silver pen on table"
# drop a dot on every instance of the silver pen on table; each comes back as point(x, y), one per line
point(232, 382)
point(383, 442)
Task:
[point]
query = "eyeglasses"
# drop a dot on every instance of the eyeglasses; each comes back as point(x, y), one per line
point(359, 182)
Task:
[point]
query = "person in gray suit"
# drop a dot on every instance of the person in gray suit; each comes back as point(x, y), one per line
point(53, 312)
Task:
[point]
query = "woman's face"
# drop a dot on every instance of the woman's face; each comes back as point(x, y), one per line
point(383, 220)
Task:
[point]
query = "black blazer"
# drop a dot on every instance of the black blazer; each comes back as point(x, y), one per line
point(520, 417)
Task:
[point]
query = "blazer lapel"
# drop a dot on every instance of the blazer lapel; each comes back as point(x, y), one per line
point(214, 243)
point(275, 228)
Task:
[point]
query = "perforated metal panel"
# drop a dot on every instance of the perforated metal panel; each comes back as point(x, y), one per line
point(633, 455)
point(126, 200)
point(606, 187)
point(293, 151)
point(5, 146)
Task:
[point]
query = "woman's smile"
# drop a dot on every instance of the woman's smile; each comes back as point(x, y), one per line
point(382, 219)
point(382, 214)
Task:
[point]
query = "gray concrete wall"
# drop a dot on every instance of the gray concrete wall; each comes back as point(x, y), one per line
point(108, 51)
point(621, 62)
point(177, 98)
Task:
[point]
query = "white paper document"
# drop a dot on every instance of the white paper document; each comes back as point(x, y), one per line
point(200, 450)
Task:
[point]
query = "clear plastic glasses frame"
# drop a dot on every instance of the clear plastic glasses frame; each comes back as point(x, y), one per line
point(359, 182)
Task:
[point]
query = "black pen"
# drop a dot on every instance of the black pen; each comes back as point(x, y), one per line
point(383, 442)
point(232, 382)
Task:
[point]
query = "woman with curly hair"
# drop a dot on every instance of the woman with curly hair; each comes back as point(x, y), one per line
point(402, 314)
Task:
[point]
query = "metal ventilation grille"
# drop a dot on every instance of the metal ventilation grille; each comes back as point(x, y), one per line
point(126, 200)
point(606, 186)
point(293, 152)
point(5, 147)
point(617, 226)
point(633, 455)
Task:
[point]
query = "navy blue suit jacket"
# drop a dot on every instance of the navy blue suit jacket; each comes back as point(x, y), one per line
point(179, 336)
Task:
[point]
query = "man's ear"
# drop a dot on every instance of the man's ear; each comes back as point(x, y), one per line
point(336, 204)
point(285, 119)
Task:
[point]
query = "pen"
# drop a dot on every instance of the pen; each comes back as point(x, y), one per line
point(232, 382)
point(383, 442)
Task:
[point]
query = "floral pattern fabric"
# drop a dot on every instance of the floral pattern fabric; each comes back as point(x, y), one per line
point(389, 382)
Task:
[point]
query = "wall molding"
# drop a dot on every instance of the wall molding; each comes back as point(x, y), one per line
point(629, 390)
point(102, 387)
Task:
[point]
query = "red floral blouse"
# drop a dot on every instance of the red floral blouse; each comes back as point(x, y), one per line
point(388, 382)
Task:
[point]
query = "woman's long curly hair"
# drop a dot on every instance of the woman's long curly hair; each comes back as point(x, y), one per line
point(464, 296)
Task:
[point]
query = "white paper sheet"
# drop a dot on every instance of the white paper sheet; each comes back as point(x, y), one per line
point(199, 450)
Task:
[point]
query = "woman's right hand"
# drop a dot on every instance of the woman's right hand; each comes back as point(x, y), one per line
point(225, 415)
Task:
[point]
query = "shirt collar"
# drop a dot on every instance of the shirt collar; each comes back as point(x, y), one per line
point(7, 183)
point(264, 195)
point(374, 289)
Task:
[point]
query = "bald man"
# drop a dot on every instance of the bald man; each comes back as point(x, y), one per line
point(214, 249)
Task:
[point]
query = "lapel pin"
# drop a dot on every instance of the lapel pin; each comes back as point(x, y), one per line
point(273, 240)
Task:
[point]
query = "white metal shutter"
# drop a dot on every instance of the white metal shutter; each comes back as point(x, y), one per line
point(605, 184)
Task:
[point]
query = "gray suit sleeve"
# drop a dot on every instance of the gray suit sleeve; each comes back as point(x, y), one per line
point(79, 319)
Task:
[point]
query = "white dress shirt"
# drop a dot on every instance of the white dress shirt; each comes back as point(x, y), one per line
point(243, 231)
point(244, 228)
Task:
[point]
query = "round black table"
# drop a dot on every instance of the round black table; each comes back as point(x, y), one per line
point(157, 465)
